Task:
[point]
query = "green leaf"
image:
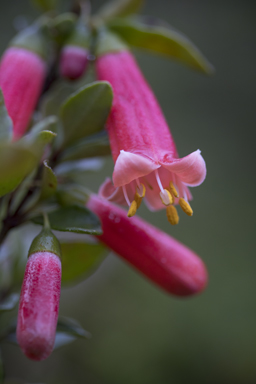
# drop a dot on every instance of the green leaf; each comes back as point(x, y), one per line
point(85, 111)
point(55, 97)
point(69, 330)
point(49, 123)
point(80, 260)
point(73, 219)
point(49, 182)
point(39, 140)
point(93, 146)
point(45, 5)
point(63, 25)
point(74, 194)
point(162, 40)
point(9, 303)
point(62, 338)
point(16, 162)
point(72, 327)
point(71, 169)
point(119, 8)
point(5, 121)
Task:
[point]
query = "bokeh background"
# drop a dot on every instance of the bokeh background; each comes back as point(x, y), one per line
point(140, 334)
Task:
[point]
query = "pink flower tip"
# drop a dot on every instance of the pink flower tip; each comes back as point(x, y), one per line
point(39, 305)
point(73, 62)
point(162, 259)
point(22, 73)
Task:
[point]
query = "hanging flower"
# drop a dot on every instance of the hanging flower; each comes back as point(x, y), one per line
point(22, 74)
point(146, 159)
point(39, 298)
point(158, 256)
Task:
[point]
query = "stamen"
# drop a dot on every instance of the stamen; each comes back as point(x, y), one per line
point(138, 199)
point(126, 196)
point(139, 195)
point(141, 190)
point(133, 209)
point(173, 190)
point(185, 206)
point(166, 197)
point(172, 215)
point(159, 181)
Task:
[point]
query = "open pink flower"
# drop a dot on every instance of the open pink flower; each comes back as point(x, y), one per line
point(39, 305)
point(164, 260)
point(145, 155)
point(22, 73)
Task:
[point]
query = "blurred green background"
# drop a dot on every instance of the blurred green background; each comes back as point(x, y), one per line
point(140, 334)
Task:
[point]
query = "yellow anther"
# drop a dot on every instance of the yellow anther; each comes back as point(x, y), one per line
point(173, 190)
point(138, 199)
point(185, 207)
point(133, 209)
point(172, 215)
point(141, 191)
point(166, 197)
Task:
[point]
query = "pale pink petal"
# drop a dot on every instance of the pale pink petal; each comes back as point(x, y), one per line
point(111, 193)
point(152, 197)
point(130, 166)
point(190, 169)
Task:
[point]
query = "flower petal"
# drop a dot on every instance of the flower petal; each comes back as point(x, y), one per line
point(190, 169)
point(130, 166)
point(109, 192)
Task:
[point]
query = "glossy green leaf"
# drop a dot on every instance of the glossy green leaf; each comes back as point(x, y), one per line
point(16, 162)
point(92, 146)
point(73, 219)
point(72, 327)
point(80, 260)
point(85, 111)
point(5, 122)
point(119, 8)
point(9, 303)
point(49, 182)
point(162, 40)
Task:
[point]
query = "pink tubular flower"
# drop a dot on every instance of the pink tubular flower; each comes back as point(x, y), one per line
point(22, 73)
point(39, 305)
point(164, 260)
point(73, 62)
point(145, 155)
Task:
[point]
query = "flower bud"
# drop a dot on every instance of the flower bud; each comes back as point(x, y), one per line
point(22, 73)
point(73, 58)
point(158, 256)
point(40, 296)
point(73, 62)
